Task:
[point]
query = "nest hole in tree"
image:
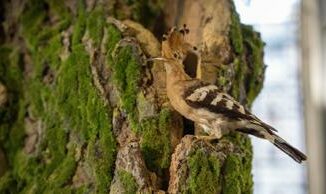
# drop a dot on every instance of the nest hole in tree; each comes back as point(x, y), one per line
point(190, 64)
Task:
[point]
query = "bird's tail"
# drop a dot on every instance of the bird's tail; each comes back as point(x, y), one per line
point(293, 152)
point(280, 143)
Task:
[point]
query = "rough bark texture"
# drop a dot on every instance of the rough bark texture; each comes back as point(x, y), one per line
point(81, 111)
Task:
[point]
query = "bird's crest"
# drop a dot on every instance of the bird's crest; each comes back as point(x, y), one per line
point(174, 44)
point(176, 48)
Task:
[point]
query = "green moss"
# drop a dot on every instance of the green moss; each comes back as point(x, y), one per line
point(128, 181)
point(235, 32)
point(204, 173)
point(33, 16)
point(52, 52)
point(114, 35)
point(12, 114)
point(232, 175)
point(7, 183)
point(65, 190)
point(16, 135)
point(126, 69)
point(237, 167)
point(56, 139)
point(240, 68)
point(248, 60)
point(79, 24)
point(254, 55)
point(155, 144)
point(70, 104)
point(126, 75)
point(64, 172)
point(50, 31)
point(240, 65)
point(95, 24)
point(101, 155)
point(84, 110)
point(82, 190)
point(23, 172)
point(58, 6)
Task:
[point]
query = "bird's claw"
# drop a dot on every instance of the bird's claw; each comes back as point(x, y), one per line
point(206, 139)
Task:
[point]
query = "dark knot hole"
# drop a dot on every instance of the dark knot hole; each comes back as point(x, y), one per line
point(190, 64)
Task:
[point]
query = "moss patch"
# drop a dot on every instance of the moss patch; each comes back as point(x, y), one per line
point(58, 7)
point(8, 183)
point(128, 181)
point(155, 144)
point(204, 173)
point(11, 118)
point(237, 167)
point(114, 36)
point(254, 55)
point(248, 60)
point(32, 19)
point(69, 103)
point(80, 24)
point(126, 69)
point(95, 24)
point(236, 33)
point(232, 176)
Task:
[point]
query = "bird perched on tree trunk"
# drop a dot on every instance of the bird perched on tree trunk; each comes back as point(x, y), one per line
point(215, 111)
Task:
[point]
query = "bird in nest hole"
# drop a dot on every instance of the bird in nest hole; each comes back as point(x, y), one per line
point(205, 104)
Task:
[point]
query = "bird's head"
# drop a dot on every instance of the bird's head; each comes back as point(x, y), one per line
point(177, 51)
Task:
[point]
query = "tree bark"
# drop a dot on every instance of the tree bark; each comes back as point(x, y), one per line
point(82, 110)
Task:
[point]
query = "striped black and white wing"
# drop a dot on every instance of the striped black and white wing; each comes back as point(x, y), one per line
point(209, 97)
point(212, 99)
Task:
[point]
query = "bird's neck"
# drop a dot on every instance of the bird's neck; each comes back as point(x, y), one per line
point(175, 72)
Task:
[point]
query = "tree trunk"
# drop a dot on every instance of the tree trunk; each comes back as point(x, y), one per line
point(81, 109)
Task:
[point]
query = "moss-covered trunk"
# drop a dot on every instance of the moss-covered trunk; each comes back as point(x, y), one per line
point(82, 111)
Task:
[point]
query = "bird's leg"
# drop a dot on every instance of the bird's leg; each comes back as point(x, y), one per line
point(212, 133)
point(207, 139)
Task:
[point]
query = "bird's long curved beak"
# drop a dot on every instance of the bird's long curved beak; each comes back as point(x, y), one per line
point(158, 59)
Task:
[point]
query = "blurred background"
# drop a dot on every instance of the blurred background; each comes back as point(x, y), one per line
point(293, 96)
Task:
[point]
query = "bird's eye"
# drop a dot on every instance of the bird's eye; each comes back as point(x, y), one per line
point(164, 37)
point(175, 55)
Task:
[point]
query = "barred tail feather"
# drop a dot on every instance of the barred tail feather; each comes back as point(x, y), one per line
point(280, 143)
point(294, 153)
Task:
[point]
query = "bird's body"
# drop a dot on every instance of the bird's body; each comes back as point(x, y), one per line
point(217, 112)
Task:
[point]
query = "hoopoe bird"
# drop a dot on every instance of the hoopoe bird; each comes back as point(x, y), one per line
point(205, 104)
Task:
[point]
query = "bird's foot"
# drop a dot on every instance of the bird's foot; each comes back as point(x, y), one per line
point(206, 139)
